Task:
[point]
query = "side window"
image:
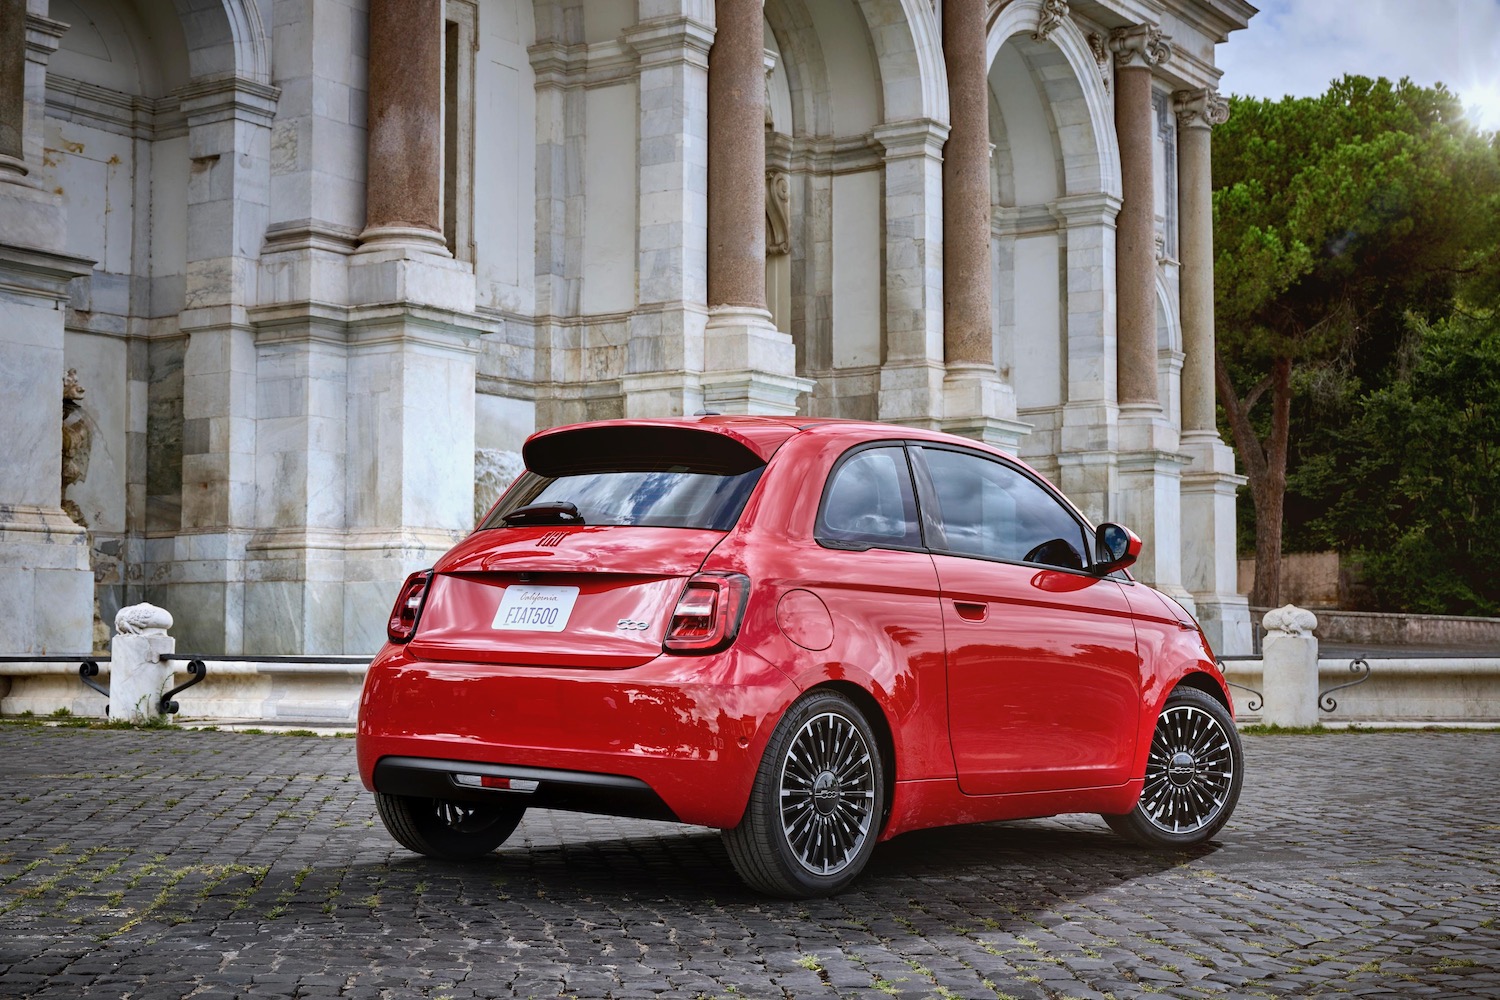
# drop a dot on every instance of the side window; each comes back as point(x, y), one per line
point(987, 508)
point(870, 500)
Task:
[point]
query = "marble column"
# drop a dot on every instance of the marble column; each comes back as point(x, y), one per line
point(1148, 466)
point(47, 587)
point(1137, 49)
point(976, 403)
point(749, 365)
point(1197, 112)
point(1209, 484)
point(404, 205)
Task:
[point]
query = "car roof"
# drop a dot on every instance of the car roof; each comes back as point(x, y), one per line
point(763, 435)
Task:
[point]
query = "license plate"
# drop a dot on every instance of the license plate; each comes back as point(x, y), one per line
point(535, 609)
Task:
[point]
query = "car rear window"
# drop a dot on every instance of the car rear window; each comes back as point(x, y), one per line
point(651, 477)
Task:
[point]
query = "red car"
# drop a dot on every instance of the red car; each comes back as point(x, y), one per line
point(812, 634)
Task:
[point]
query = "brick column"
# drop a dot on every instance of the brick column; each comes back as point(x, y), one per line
point(403, 200)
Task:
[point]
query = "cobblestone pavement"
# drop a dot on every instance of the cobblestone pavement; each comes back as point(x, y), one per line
point(213, 865)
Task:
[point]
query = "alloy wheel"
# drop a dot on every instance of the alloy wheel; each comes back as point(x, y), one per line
point(1189, 772)
point(827, 793)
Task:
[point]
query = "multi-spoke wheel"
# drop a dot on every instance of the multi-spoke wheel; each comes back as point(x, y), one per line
point(1193, 775)
point(815, 810)
point(450, 831)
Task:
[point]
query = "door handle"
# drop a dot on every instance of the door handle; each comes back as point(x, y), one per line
point(971, 611)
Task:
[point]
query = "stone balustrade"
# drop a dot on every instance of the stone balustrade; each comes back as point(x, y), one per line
point(305, 691)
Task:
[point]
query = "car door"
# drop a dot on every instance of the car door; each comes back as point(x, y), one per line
point(1044, 680)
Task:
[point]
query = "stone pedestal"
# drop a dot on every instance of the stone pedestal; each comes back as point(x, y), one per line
point(978, 404)
point(1209, 563)
point(749, 366)
point(137, 675)
point(1290, 668)
point(1149, 480)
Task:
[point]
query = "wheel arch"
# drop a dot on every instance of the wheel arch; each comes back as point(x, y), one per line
point(1205, 682)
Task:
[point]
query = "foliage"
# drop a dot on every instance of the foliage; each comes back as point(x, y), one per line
point(1425, 490)
point(1335, 218)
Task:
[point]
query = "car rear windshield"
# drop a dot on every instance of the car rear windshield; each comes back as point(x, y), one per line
point(630, 476)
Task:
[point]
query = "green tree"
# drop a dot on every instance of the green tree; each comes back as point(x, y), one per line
point(1335, 217)
point(1429, 459)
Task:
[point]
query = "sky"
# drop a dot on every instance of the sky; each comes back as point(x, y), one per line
point(1297, 46)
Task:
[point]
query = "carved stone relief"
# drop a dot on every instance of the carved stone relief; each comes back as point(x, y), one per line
point(1054, 12)
point(778, 213)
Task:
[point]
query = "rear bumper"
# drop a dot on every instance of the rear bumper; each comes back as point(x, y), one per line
point(677, 738)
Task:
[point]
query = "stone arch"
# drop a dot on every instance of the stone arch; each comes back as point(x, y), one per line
point(1081, 107)
point(909, 51)
point(831, 66)
point(1169, 355)
point(136, 52)
point(1168, 327)
point(225, 38)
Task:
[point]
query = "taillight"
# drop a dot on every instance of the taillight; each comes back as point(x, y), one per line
point(708, 614)
point(408, 607)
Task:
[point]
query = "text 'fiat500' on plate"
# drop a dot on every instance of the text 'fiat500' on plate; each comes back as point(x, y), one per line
point(812, 635)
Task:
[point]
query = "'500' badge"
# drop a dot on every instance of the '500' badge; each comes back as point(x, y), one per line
point(630, 625)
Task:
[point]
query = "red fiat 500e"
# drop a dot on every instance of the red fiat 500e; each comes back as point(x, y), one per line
point(812, 635)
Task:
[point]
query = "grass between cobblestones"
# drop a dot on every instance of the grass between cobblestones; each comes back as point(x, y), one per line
point(230, 864)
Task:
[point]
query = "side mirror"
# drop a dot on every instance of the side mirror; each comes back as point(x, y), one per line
point(1116, 547)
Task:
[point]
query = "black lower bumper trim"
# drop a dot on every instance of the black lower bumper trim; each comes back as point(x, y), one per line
point(578, 791)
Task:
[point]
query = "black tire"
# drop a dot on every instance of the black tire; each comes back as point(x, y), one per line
point(1193, 775)
point(449, 831)
point(817, 803)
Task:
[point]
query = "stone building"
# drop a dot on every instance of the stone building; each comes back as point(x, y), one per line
point(319, 262)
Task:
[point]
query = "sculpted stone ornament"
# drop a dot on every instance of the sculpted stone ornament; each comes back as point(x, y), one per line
point(1139, 46)
point(1100, 48)
point(1201, 108)
point(1054, 12)
point(778, 213)
point(77, 440)
point(143, 619)
point(1290, 620)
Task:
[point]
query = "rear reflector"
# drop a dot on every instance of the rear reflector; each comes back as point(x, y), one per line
point(708, 614)
point(498, 784)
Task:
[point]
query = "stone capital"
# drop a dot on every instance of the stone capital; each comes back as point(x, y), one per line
point(914, 137)
point(1200, 108)
point(1079, 210)
point(43, 36)
point(1140, 46)
point(668, 40)
point(228, 99)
